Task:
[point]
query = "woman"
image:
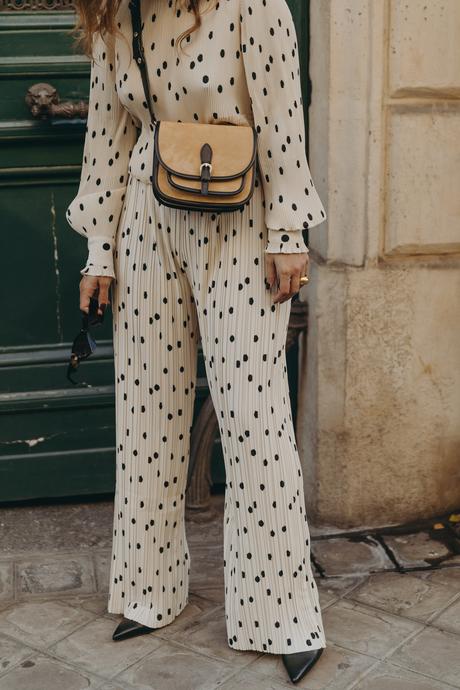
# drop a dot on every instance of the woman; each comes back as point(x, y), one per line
point(176, 275)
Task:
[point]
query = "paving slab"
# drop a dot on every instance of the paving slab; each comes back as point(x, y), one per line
point(6, 581)
point(200, 533)
point(415, 550)
point(11, 652)
point(95, 603)
point(404, 595)
point(449, 619)
point(433, 653)
point(208, 635)
point(55, 575)
point(197, 607)
point(172, 667)
point(206, 567)
point(92, 648)
point(44, 673)
point(370, 612)
point(215, 594)
point(448, 575)
point(250, 681)
point(333, 588)
point(386, 676)
point(102, 567)
point(42, 623)
point(366, 630)
point(452, 560)
point(350, 556)
point(335, 670)
point(326, 597)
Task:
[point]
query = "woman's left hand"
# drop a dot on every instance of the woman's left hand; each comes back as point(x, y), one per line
point(285, 271)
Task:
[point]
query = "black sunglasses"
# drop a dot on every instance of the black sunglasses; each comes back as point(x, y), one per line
point(84, 344)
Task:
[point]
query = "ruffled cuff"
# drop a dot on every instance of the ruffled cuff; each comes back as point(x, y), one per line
point(285, 242)
point(100, 257)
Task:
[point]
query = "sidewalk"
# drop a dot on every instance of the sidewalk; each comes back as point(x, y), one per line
point(390, 601)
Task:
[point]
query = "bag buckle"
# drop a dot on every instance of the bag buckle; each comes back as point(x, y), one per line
point(208, 165)
point(205, 177)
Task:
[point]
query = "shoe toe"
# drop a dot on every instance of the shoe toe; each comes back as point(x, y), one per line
point(128, 628)
point(298, 664)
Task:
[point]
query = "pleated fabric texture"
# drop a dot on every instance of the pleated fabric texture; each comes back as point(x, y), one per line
point(182, 275)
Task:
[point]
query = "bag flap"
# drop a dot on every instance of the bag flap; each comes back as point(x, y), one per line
point(178, 145)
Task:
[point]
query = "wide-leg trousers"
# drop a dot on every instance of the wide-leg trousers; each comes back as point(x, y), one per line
point(182, 275)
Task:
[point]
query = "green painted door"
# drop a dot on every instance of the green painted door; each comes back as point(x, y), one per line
point(56, 440)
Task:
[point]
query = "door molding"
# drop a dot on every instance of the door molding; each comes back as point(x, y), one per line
point(36, 5)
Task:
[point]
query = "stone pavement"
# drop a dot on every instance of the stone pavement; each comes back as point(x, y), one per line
point(390, 600)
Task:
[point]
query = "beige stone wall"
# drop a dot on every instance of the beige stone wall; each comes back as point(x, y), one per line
point(379, 415)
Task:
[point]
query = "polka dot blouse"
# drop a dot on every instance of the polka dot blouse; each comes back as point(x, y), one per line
point(240, 66)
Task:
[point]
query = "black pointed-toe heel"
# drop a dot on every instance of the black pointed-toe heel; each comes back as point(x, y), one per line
point(298, 664)
point(128, 628)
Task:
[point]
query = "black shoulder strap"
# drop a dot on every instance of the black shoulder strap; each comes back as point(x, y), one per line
point(138, 52)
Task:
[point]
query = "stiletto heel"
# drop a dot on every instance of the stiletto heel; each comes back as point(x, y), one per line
point(128, 628)
point(298, 664)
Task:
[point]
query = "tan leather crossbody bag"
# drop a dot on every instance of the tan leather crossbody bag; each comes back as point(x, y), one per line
point(197, 166)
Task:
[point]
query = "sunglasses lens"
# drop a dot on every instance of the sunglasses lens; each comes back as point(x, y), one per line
point(91, 342)
point(83, 345)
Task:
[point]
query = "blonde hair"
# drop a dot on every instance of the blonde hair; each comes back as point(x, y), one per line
point(94, 17)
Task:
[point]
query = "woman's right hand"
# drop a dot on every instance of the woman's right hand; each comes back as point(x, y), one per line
point(97, 286)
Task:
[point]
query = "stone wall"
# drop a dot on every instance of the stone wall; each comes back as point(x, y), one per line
point(379, 406)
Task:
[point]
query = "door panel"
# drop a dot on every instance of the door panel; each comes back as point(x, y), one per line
point(56, 440)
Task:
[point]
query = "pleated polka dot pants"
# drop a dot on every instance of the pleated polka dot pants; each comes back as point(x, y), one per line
point(182, 275)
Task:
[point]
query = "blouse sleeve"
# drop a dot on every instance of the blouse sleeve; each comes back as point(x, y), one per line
point(271, 62)
point(110, 136)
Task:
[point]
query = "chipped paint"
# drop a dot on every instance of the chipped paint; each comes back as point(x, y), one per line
point(31, 442)
point(56, 270)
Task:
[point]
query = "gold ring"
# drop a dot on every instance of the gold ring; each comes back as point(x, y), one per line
point(304, 280)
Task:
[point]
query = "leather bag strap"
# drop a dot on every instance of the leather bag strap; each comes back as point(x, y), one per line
point(138, 52)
